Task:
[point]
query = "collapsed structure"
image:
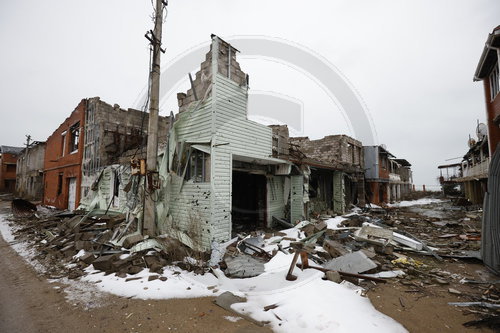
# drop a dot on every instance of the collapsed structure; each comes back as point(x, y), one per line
point(221, 174)
point(94, 136)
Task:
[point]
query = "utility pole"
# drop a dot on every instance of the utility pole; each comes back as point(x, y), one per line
point(152, 179)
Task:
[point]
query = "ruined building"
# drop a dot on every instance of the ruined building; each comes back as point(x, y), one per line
point(94, 136)
point(30, 163)
point(332, 167)
point(8, 161)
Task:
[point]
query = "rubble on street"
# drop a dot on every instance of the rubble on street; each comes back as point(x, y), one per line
point(403, 244)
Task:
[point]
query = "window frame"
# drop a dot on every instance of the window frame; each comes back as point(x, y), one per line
point(494, 79)
point(74, 137)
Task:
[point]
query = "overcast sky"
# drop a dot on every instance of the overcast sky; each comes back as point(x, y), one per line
point(411, 62)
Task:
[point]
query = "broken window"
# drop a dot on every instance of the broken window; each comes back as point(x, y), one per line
point(59, 183)
point(74, 137)
point(198, 167)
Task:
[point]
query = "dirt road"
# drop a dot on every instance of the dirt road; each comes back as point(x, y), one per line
point(28, 303)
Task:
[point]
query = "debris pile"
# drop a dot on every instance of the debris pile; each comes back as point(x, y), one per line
point(67, 243)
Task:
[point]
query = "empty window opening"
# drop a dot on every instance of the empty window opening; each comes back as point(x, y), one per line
point(63, 144)
point(59, 183)
point(74, 137)
point(198, 169)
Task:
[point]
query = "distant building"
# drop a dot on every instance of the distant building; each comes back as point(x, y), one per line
point(8, 161)
point(400, 179)
point(30, 164)
point(488, 71)
point(474, 168)
point(387, 178)
point(377, 169)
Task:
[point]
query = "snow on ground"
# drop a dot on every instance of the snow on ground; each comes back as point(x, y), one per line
point(22, 248)
point(419, 202)
point(308, 304)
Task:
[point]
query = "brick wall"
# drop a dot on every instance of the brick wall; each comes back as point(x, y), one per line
point(8, 172)
point(332, 149)
point(60, 163)
point(227, 66)
point(492, 114)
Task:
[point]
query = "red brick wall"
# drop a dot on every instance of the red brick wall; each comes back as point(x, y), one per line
point(69, 164)
point(8, 171)
point(492, 111)
point(376, 192)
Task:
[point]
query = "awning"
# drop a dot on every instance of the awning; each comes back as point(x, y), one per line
point(260, 160)
point(203, 148)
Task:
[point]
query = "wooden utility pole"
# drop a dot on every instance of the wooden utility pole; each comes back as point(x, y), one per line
point(152, 179)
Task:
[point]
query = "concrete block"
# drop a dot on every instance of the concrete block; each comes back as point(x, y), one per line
point(132, 240)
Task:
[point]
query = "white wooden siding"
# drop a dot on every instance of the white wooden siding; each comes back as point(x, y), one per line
point(275, 198)
point(296, 199)
point(244, 136)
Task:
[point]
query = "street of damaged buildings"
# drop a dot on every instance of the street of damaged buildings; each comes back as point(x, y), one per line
point(288, 233)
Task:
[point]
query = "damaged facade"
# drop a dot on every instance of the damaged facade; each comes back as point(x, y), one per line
point(221, 174)
point(332, 168)
point(94, 136)
point(8, 161)
point(29, 184)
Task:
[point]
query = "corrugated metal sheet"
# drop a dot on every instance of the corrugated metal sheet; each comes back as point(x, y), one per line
point(371, 162)
point(296, 199)
point(490, 239)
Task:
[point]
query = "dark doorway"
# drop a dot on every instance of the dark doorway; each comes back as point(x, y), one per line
point(248, 211)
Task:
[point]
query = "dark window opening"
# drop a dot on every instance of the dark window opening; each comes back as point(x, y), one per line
point(59, 183)
point(74, 137)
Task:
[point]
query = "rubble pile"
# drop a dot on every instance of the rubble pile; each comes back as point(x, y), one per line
point(409, 246)
point(67, 243)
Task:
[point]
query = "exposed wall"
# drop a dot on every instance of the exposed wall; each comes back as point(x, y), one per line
point(333, 149)
point(30, 166)
point(111, 131)
point(60, 161)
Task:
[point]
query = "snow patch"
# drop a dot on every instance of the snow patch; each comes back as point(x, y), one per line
point(419, 202)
